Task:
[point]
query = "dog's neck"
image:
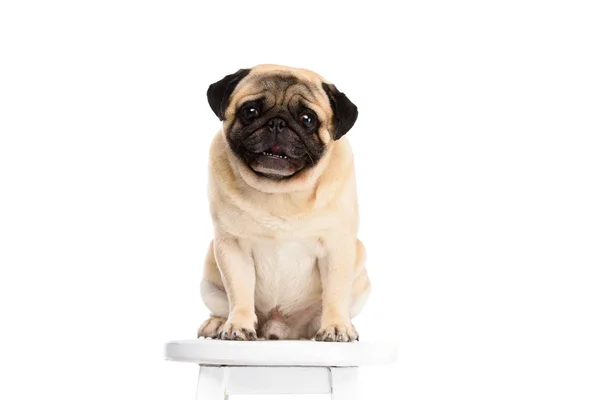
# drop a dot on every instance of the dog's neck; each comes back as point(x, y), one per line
point(309, 191)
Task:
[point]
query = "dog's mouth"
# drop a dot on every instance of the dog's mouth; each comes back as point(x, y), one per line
point(275, 163)
point(276, 152)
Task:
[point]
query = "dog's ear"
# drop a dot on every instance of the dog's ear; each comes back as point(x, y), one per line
point(218, 93)
point(344, 111)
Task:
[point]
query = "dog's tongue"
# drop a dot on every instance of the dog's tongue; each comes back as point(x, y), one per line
point(276, 150)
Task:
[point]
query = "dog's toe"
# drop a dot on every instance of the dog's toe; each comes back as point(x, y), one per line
point(337, 333)
point(211, 328)
point(275, 329)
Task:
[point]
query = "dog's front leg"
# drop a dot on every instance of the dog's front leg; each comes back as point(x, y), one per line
point(238, 274)
point(336, 267)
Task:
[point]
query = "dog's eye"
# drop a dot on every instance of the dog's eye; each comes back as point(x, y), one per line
point(308, 120)
point(250, 113)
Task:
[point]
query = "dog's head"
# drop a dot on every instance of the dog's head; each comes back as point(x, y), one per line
point(280, 121)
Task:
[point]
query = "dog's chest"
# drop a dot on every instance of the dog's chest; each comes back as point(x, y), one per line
point(287, 275)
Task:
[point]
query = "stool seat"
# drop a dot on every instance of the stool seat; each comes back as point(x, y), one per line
point(303, 353)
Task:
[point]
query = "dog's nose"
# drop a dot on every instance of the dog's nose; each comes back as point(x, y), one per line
point(276, 124)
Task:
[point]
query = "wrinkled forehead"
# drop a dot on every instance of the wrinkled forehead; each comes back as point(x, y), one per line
point(283, 89)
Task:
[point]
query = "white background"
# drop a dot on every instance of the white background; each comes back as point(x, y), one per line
point(477, 154)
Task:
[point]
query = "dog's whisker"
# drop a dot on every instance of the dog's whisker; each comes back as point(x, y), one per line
point(311, 159)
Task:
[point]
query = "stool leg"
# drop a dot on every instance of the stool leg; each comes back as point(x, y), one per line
point(211, 384)
point(344, 383)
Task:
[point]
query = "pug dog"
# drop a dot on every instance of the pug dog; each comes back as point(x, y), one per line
point(285, 261)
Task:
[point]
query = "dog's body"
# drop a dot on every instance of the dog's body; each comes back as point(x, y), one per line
point(285, 262)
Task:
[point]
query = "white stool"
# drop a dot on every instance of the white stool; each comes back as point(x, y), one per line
point(278, 367)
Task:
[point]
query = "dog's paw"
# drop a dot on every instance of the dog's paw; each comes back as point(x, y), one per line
point(239, 328)
point(211, 328)
point(275, 330)
point(337, 333)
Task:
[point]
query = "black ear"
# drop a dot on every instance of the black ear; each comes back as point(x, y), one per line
point(344, 111)
point(218, 93)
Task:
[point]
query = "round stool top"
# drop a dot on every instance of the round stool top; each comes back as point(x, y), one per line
point(304, 353)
